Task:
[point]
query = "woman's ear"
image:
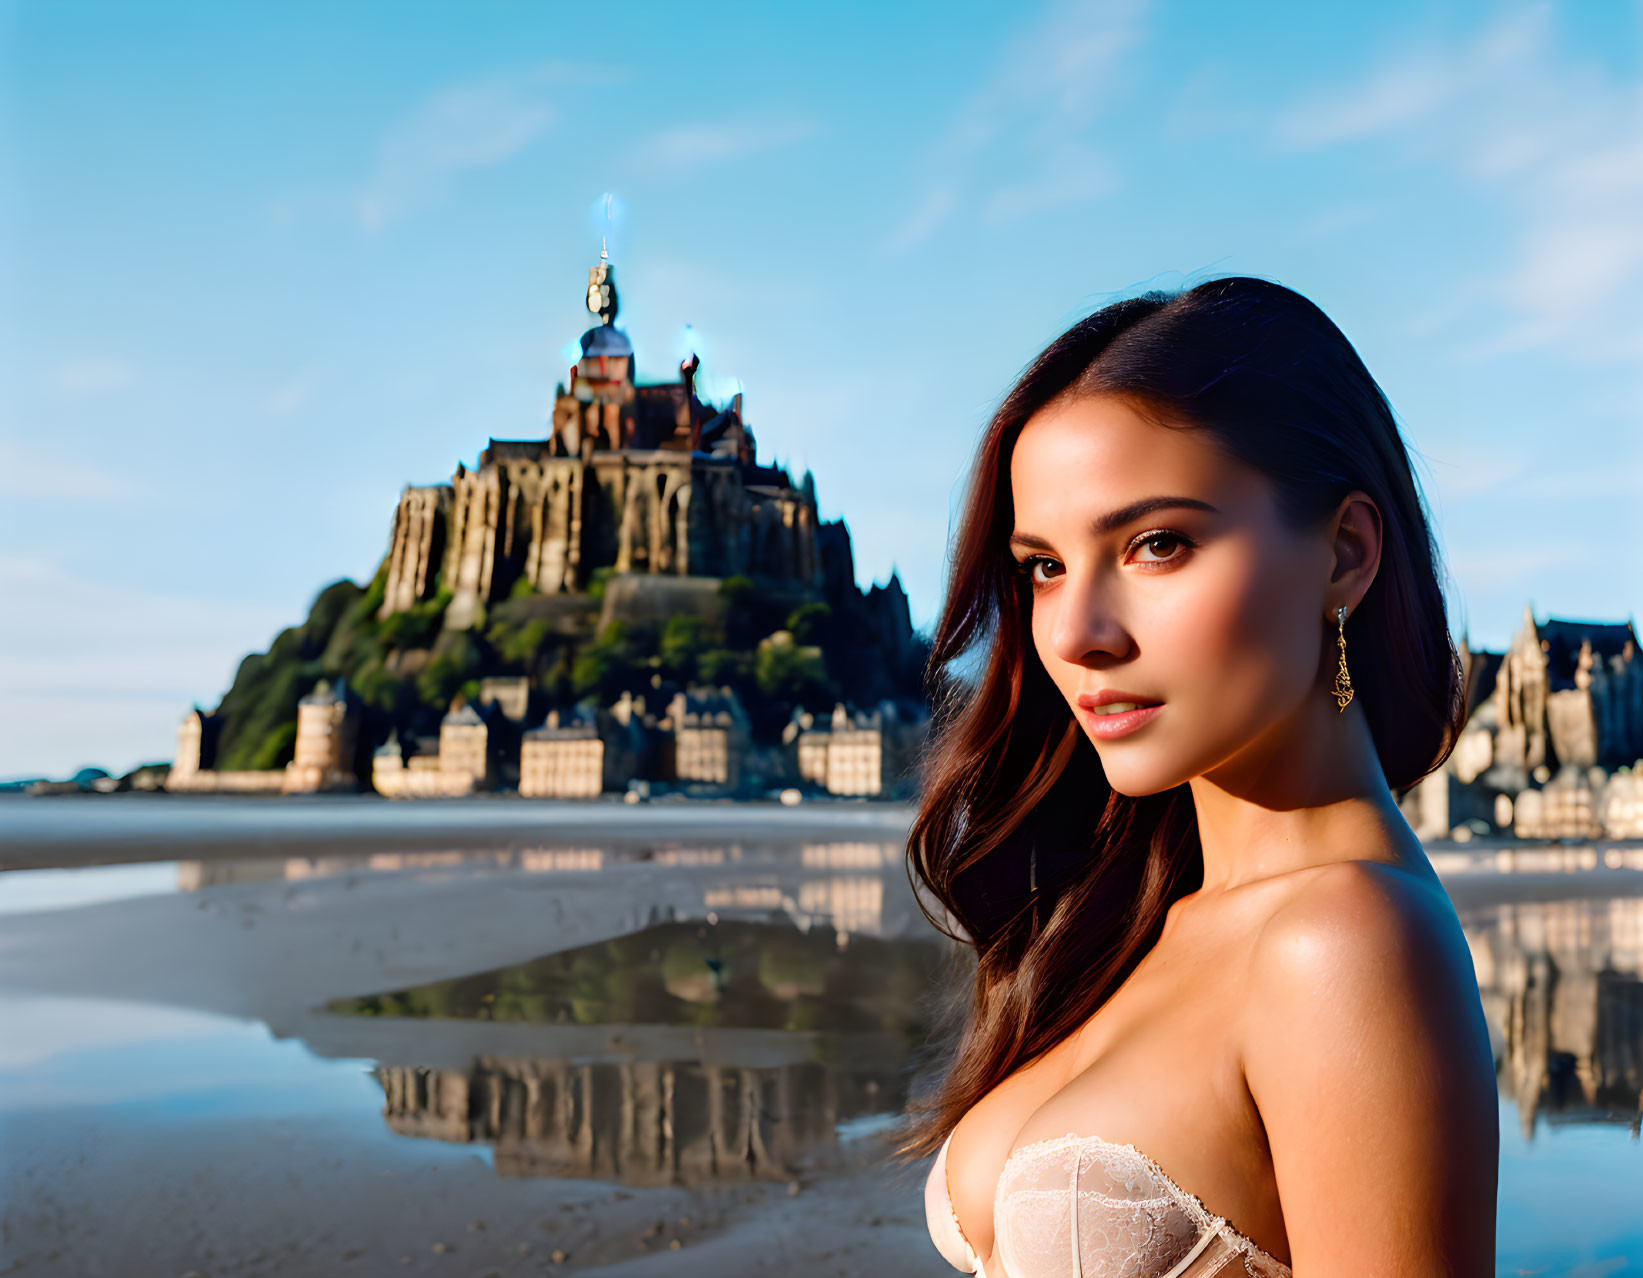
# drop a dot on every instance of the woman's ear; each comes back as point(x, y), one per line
point(1355, 537)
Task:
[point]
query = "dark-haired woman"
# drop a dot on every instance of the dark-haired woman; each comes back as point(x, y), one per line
point(1224, 1019)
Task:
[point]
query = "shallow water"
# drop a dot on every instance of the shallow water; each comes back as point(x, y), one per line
point(427, 1060)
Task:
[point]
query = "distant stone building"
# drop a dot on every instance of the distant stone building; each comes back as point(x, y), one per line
point(327, 730)
point(510, 694)
point(1553, 740)
point(855, 752)
point(465, 744)
point(461, 761)
point(408, 768)
point(563, 759)
point(326, 735)
point(707, 736)
point(1569, 692)
point(1620, 805)
point(644, 479)
point(1566, 807)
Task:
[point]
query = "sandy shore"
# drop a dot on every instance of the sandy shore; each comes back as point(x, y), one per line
point(99, 829)
point(247, 1183)
point(279, 1196)
point(120, 1165)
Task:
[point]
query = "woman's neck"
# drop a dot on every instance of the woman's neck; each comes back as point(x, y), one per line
point(1310, 792)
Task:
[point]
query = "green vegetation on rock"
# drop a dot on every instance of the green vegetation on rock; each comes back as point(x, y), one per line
point(406, 668)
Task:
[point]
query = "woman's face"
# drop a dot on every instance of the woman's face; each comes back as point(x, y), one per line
point(1159, 569)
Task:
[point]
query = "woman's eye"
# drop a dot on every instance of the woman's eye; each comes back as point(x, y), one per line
point(1029, 567)
point(1169, 541)
point(1162, 548)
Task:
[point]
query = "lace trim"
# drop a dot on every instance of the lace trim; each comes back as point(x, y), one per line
point(1201, 1215)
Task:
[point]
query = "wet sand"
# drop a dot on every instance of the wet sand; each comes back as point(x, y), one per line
point(313, 1182)
point(250, 1185)
point(263, 1197)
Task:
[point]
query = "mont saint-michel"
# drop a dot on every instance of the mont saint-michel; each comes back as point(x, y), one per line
point(633, 598)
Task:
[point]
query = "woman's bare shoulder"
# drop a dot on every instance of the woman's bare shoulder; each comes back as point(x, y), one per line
point(1367, 1055)
point(1350, 914)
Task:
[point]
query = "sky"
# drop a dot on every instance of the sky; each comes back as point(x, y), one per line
point(262, 265)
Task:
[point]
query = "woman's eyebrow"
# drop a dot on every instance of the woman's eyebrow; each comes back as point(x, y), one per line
point(1116, 519)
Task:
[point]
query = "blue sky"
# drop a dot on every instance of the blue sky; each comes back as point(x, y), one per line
point(263, 264)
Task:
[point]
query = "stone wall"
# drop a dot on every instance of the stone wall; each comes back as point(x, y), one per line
point(418, 778)
point(416, 546)
point(529, 515)
point(210, 781)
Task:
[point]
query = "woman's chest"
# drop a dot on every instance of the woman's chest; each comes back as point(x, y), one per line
point(1157, 1069)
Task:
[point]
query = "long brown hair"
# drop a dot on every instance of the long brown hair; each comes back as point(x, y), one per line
point(1059, 882)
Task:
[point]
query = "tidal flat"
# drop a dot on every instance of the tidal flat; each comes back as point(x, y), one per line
point(263, 1037)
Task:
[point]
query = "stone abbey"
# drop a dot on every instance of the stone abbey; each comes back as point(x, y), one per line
point(636, 507)
point(642, 479)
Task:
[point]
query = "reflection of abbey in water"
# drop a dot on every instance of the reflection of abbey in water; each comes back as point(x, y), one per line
point(679, 1054)
point(640, 1122)
point(1562, 985)
point(840, 885)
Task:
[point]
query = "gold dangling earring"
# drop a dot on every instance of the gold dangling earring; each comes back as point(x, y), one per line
point(1343, 680)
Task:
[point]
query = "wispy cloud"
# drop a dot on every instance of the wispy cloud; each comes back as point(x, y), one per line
point(74, 690)
point(1486, 466)
point(1497, 567)
point(463, 127)
point(1549, 138)
point(685, 147)
point(1071, 172)
point(91, 375)
point(1335, 221)
point(28, 470)
point(292, 394)
point(1032, 122)
point(934, 208)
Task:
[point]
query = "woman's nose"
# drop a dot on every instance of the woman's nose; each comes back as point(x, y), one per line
point(1085, 627)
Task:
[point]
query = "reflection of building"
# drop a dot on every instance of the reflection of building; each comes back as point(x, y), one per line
point(835, 884)
point(640, 1122)
point(323, 751)
point(1562, 985)
point(1553, 742)
point(194, 875)
point(855, 753)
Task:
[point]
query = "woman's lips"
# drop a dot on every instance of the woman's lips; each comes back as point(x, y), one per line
point(1110, 726)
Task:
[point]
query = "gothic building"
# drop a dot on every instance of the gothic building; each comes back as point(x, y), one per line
point(1568, 693)
point(1553, 743)
point(642, 479)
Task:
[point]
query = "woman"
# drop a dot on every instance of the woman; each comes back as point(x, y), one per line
point(1224, 1019)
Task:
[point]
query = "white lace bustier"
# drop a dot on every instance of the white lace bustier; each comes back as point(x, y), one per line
point(1083, 1207)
